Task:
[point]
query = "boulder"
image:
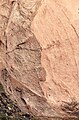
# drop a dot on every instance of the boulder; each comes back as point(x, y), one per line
point(39, 56)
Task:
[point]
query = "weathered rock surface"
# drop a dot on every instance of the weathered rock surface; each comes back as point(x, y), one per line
point(39, 56)
point(9, 110)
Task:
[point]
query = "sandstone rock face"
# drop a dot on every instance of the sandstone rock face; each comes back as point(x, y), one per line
point(39, 56)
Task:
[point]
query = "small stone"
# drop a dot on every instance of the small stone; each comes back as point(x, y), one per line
point(9, 108)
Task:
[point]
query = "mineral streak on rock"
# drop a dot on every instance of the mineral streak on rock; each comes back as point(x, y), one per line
point(39, 61)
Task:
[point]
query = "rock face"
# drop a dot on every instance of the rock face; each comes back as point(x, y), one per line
point(39, 56)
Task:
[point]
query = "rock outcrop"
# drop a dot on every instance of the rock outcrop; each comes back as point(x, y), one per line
point(39, 56)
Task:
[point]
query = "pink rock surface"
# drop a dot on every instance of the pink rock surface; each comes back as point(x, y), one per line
point(39, 56)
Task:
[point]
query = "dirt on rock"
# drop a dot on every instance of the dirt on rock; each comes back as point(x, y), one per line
point(9, 110)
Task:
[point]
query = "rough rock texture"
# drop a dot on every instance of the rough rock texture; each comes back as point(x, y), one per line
point(9, 110)
point(39, 56)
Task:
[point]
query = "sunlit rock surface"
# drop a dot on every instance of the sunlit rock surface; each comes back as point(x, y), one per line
point(39, 56)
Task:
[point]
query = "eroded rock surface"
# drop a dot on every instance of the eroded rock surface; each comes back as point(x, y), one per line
point(39, 61)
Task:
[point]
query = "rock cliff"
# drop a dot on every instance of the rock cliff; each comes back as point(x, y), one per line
point(39, 56)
